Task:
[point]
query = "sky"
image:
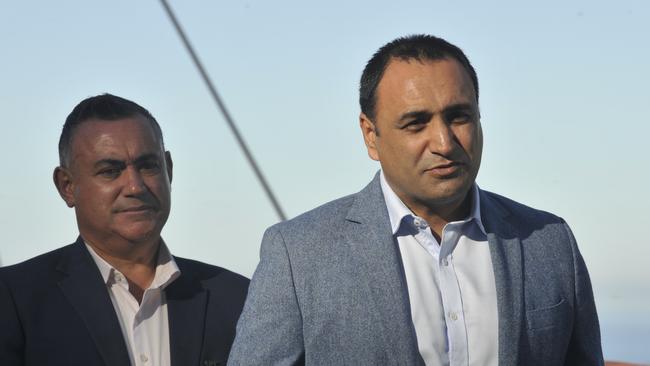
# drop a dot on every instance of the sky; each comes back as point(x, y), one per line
point(564, 98)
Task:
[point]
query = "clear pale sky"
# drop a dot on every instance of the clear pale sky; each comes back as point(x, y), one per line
point(564, 98)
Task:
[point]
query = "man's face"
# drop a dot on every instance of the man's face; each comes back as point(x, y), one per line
point(118, 181)
point(427, 132)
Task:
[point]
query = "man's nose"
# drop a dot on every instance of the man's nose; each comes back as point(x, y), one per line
point(134, 182)
point(441, 138)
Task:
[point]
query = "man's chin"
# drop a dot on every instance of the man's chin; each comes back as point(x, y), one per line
point(140, 233)
point(448, 193)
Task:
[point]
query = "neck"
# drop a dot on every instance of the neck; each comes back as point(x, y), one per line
point(137, 262)
point(437, 216)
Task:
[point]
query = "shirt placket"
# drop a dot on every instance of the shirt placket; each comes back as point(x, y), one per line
point(452, 299)
point(130, 312)
point(448, 285)
point(141, 335)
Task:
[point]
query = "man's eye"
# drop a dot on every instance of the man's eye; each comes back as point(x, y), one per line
point(415, 125)
point(460, 118)
point(110, 172)
point(151, 167)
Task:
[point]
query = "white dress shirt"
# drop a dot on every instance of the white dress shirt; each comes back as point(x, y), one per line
point(145, 326)
point(450, 285)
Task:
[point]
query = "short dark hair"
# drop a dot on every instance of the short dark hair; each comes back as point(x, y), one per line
point(106, 107)
point(420, 47)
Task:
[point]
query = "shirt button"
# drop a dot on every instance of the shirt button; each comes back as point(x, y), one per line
point(144, 358)
point(419, 223)
point(445, 262)
point(453, 316)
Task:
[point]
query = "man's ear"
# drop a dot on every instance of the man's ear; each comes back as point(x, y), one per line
point(64, 184)
point(369, 131)
point(170, 165)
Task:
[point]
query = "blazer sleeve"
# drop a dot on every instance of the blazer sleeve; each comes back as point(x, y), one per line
point(585, 345)
point(11, 332)
point(269, 331)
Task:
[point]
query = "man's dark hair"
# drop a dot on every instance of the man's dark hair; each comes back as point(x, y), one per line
point(106, 107)
point(420, 47)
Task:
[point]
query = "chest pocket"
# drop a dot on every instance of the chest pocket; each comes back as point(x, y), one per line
point(548, 317)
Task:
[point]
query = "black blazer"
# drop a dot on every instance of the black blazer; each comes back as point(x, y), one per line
point(55, 310)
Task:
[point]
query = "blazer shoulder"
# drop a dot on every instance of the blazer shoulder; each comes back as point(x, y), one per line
point(518, 210)
point(36, 268)
point(228, 288)
point(540, 231)
point(326, 216)
point(208, 273)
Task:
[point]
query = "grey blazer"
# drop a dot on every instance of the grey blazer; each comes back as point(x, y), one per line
point(330, 290)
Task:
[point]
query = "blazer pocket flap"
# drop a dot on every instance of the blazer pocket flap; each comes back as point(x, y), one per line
point(547, 317)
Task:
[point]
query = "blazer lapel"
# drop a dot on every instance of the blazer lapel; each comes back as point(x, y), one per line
point(505, 251)
point(186, 303)
point(380, 268)
point(86, 291)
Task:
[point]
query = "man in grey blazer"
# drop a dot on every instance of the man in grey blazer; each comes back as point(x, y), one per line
point(421, 266)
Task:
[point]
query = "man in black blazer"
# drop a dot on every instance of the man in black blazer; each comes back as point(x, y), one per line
point(116, 296)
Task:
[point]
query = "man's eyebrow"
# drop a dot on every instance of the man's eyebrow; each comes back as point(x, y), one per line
point(111, 162)
point(425, 114)
point(146, 157)
point(115, 162)
point(421, 114)
point(458, 107)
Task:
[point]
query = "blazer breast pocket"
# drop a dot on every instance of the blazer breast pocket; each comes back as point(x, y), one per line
point(552, 316)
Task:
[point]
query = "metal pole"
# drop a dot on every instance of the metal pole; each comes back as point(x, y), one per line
point(224, 112)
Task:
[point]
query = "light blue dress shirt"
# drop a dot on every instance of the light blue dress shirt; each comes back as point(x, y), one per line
point(451, 285)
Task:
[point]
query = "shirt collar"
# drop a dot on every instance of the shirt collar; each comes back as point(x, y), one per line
point(166, 268)
point(397, 210)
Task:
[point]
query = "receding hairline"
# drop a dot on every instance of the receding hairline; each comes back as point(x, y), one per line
point(418, 46)
point(69, 155)
point(422, 61)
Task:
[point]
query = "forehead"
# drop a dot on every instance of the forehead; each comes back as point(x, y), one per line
point(437, 82)
point(122, 138)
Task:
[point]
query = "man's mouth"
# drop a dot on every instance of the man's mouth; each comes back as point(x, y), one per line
point(446, 170)
point(137, 209)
